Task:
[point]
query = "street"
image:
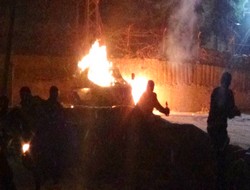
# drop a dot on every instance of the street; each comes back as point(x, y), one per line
point(238, 127)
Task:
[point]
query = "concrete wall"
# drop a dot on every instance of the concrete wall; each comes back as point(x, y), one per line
point(186, 87)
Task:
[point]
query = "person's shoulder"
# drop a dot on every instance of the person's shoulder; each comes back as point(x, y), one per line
point(38, 101)
point(216, 88)
point(53, 103)
point(230, 92)
point(59, 105)
point(149, 94)
point(38, 98)
point(154, 94)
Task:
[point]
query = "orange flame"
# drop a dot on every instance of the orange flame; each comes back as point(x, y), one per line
point(99, 66)
point(138, 87)
point(101, 74)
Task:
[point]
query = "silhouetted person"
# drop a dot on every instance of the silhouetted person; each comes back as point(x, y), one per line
point(32, 111)
point(141, 130)
point(28, 101)
point(25, 96)
point(6, 174)
point(53, 105)
point(54, 111)
point(56, 132)
point(149, 101)
point(222, 107)
point(33, 125)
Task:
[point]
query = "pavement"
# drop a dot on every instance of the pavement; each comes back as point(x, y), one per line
point(238, 127)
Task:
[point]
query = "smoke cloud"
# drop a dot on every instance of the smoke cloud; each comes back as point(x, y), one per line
point(181, 37)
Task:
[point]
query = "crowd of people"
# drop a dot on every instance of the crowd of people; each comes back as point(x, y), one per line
point(44, 121)
point(38, 122)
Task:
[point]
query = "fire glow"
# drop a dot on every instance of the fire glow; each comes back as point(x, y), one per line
point(138, 87)
point(99, 67)
point(100, 71)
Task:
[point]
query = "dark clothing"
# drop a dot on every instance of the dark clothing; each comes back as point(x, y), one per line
point(55, 136)
point(55, 126)
point(54, 111)
point(6, 174)
point(222, 107)
point(148, 102)
point(33, 115)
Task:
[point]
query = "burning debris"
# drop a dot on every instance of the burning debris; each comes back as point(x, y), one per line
point(101, 83)
point(98, 66)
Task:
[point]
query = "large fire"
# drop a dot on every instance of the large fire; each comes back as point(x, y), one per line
point(100, 72)
point(99, 67)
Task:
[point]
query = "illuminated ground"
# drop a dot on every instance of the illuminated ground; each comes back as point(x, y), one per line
point(238, 128)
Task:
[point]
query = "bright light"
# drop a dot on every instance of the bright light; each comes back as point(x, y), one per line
point(100, 71)
point(25, 147)
point(99, 67)
point(138, 85)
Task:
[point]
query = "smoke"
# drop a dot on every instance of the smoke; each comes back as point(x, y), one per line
point(181, 37)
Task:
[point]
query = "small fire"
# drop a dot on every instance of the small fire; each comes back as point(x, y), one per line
point(99, 66)
point(100, 71)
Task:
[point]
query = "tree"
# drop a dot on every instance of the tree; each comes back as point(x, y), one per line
point(224, 14)
point(135, 27)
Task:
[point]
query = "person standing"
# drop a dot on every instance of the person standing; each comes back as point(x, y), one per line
point(149, 101)
point(32, 112)
point(57, 136)
point(222, 108)
point(141, 131)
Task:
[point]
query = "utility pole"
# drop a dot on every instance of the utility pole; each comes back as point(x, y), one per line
point(93, 23)
point(7, 73)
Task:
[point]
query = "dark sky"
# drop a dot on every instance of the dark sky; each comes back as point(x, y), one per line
point(41, 28)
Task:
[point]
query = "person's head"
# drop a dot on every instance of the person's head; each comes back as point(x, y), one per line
point(226, 79)
point(150, 85)
point(25, 93)
point(53, 92)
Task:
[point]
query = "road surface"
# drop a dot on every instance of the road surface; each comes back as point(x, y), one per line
point(238, 127)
